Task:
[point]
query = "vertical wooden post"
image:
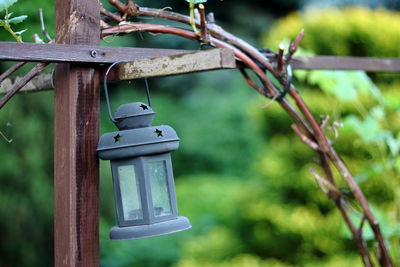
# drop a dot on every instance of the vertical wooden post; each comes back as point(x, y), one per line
point(76, 109)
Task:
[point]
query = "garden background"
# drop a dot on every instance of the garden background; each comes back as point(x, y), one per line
point(242, 177)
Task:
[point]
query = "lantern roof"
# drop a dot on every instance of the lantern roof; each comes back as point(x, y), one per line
point(133, 115)
point(138, 142)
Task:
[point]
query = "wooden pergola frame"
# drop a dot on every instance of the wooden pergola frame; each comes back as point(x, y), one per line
point(76, 105)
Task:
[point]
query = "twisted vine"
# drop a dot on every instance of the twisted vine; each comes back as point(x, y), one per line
point(304, 124)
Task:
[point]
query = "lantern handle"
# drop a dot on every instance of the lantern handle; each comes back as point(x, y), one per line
point(106, 89)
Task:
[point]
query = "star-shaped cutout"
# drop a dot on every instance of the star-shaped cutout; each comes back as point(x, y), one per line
point(144, 107)
point(158, 132)
point(117, 138)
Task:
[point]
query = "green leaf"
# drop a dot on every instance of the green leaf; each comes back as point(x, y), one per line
point(17, 20)
point(21, 32)
point(6, 4)
point(368, 129)
point(196, 1)
point(2, 23)
point(333, 82)
point(344, 85)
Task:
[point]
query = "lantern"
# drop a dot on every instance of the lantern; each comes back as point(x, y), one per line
point(142, 174)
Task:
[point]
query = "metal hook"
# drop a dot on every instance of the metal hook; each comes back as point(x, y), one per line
point(106, 88)
point(147, 91)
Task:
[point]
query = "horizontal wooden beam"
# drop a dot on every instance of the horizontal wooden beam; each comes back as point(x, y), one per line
point(11, 51)
point(57, 53)
point(346, 63)
point(216, 59)
point(203, 60)
point(178, 64)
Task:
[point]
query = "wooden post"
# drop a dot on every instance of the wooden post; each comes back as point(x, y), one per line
point(76, 170)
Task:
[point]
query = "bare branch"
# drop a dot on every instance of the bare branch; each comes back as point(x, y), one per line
point(293, 48)
point(361, 245)
point(11, 70)
point(279, 60)
point(355, 189)
point(250, 81)
point(270, 91)
point(360, 228)
point(45, 33)
point(118, 5)
point(341, 167)
point(32, 73)
point(215, 30)
point(203, 25)
point(324, 182)
point(304, 138)
point(111, 15)
point(340, 203)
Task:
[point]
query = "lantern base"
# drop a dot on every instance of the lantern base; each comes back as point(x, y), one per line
point(142, 231)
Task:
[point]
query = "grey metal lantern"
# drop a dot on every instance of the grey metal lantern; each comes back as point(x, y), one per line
point(142, 173)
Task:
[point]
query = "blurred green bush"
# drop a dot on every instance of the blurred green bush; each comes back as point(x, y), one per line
point(352, 31)
point(366, 107)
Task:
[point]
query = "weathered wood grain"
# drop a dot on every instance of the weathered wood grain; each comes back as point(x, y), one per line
point(78, 53)
point(76, 132)
point(347, 63)
point(178, 64)
point(196, 61)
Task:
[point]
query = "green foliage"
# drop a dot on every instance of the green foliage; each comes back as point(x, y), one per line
point(5, 23)
point(32, 25)
point(368, 114)
point(26, 191)
point(17, 20)
point(344, 85)
point(6, 4)
point(355, 31)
